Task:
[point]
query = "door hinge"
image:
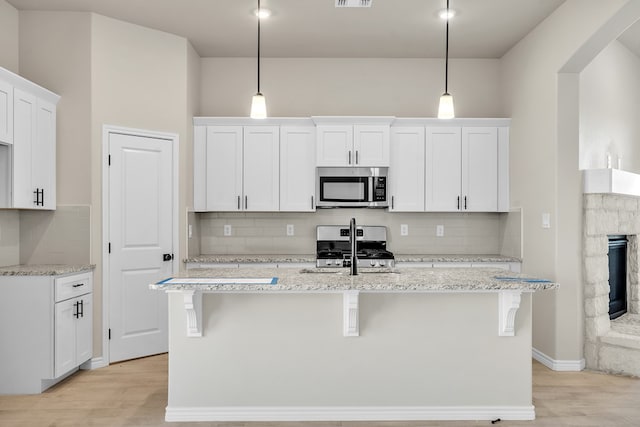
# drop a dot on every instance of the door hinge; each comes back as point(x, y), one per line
point(109, 247)
point(109, 333)
point(109, 161)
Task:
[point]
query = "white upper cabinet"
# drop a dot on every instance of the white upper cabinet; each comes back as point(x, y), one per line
point(352, 141)
point(236, 168)
point(467, 169)
point(261, 168)
point(444, 169)
point(6, 113)
point(335, 146)
point(297, 168)
point(407, 169)
point(28, 127)
point(480, 169)
point(223, 172)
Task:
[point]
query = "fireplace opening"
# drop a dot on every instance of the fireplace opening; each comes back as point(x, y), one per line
point(617, 276)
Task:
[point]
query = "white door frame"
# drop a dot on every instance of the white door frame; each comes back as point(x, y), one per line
point(175, 141)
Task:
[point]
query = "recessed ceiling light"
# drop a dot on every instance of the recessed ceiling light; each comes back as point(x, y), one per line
point(262, 13)
point(446, 14)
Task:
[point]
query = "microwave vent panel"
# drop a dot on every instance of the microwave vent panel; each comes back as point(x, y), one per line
point(353, 3)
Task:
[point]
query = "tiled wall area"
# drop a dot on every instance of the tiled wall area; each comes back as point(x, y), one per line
point(265, 233)
point(9, 237)
point(62, 236)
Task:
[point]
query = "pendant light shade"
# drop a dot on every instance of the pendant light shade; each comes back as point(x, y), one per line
point(258, 106)
point(258, 102)
point(446, 110)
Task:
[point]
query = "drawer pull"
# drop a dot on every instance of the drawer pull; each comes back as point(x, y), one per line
point(77, 285)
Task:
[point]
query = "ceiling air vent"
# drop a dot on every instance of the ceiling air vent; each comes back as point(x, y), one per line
point(353, 3)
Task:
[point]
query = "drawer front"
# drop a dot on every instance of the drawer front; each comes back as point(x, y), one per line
point(73, 286)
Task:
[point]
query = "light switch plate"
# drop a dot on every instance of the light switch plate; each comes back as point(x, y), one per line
point(439, 230)
point(291, 230)
point(190, 231)
point(404, 229)
point(546, 220)
point(227, 230)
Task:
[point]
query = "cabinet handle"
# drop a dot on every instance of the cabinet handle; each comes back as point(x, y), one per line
point(238, 202)
point(77, 285)
point(458, 202)
point(42, 200)
point(81, 307)
point(76, 309)
point(465, 203)
point(356, 157)
point(392, 199)
point(349, 156)
point(246, 202)
point(311, 202)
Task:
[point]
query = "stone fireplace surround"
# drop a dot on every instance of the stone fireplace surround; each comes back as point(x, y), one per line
point(610, 346)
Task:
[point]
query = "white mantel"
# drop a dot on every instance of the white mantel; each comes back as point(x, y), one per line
point(611, 181)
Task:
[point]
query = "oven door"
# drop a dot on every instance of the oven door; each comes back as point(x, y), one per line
point(337, 191)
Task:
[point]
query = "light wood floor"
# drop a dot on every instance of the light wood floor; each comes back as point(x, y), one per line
point(134, 393)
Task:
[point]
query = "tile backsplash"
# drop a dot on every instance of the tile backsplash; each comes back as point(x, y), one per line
point(56, 237)
point(265, 233)
point(9, 237)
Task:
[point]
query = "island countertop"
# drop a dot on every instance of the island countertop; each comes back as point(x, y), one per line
point(311, 258)
point(369, 280)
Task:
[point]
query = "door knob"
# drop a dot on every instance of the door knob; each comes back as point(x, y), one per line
point(167, 257)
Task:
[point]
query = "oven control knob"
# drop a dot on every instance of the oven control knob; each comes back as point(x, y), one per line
point(338, 262)
point(381, 264)
point(372, 262)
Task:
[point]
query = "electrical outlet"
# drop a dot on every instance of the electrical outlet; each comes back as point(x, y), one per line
point(404, 229)
point(290, 230)
point(227, 230)
point(439, 230)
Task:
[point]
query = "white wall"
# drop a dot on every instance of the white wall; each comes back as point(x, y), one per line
point(296, 87)
point(139, 79)
point(9, 37)
point(544, 165)
point(610, 109)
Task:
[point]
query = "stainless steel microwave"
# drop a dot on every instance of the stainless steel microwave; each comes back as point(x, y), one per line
point(351, 187)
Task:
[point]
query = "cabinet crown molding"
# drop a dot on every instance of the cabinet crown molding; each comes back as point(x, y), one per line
point(247, 121)
point(353, 120)
point(28, 86)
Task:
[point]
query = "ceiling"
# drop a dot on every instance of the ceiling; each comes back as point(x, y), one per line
point(316, 28)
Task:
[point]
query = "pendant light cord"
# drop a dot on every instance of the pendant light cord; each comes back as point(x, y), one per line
point(446, 61)
point(259, 9)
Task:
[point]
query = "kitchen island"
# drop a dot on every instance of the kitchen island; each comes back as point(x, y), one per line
point(285, 344)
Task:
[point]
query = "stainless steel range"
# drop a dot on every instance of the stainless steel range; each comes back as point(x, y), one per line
point(333, 247)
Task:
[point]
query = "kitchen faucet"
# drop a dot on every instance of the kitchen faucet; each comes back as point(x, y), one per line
point(354, 247)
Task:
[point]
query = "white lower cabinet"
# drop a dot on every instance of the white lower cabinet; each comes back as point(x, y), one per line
point(46, 325)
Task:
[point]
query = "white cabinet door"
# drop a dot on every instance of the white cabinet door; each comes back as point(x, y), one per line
point(261, 167)
point(406, 173)
point(224, 168)
point(25, 112)
point(6, 113)
point(84, 330)
point(297, 168)
point(480, 169)
point(43, 162)
point(371, 145)
point(444, 169)
point(65, 336)
point(335, 145)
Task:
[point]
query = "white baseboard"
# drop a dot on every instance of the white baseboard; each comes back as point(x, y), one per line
point(558, 365)
point(95, 363)
point(348, 413)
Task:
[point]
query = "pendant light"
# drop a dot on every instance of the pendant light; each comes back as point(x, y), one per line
point(445, 110)
point(258, 102)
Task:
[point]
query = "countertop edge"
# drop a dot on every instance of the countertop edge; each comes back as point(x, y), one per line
point(45, 269)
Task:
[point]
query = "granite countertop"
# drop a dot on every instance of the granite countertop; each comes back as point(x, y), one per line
point(328, 280)
point(204, 259)
point(44, 269)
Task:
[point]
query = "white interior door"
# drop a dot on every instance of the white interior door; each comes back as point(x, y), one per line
point(140, 233)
